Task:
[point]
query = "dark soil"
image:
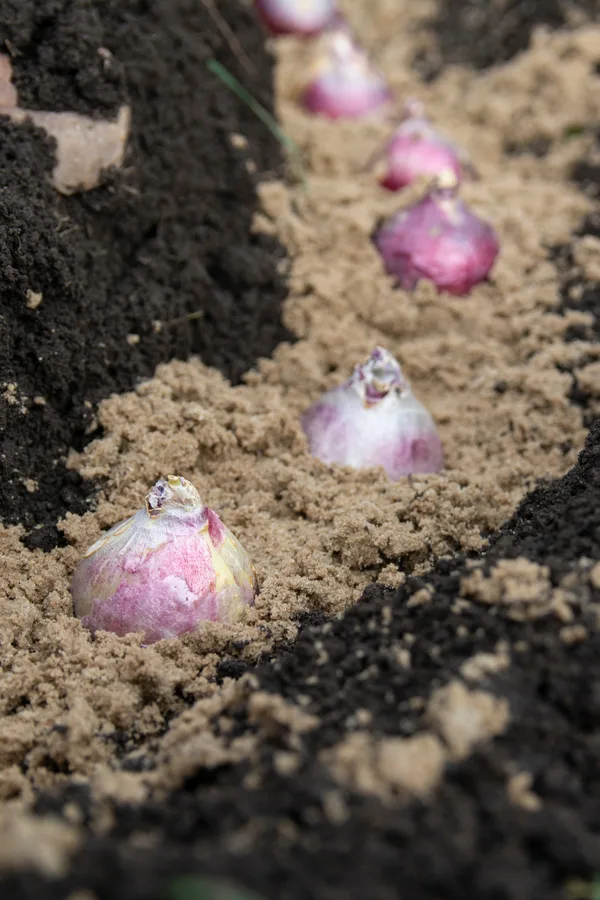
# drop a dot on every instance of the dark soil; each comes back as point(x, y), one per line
point(586, 173)
point(480, 33)
point(166, 238)
point(578, 293)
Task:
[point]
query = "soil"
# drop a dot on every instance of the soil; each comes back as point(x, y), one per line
point(120, 269)
point(481, 34)
point(410, 710)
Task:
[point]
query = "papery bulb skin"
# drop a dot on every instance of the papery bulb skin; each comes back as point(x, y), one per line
point(303, 18)
point(373, 419)
point(165, 570)
point(417, 150)
point(345, 84)
point(439, 239)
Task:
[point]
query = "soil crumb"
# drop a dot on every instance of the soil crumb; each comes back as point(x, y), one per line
point(464, 718)
point(42, 843)
point(394, 767)
point(389, 768)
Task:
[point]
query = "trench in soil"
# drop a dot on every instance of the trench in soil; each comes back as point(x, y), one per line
point(281, 777)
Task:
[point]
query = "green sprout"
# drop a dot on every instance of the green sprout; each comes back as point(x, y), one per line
point(201, 887)
point(577, 889)
point(261, 113)
point(189, 317)
point(572, 131)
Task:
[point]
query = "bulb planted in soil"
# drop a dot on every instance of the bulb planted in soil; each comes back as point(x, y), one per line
point(417, 150)
point(165, 570)
point(344, 82)
point(373, 419)
point(300, 17)
point(439, 239)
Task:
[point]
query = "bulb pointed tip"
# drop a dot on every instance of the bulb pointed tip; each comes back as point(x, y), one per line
point(172, 492)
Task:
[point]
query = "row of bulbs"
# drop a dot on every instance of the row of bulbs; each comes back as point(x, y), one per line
point(439, 238)
point(174, 564)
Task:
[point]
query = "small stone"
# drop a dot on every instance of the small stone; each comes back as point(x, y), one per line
point(33, 299)
point(420, 598)
point(520, 793)
point(238, 141)
point(573, 634)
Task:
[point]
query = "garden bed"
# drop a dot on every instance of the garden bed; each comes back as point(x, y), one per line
point(410, 708)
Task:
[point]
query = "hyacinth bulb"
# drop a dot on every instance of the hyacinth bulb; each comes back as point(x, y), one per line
point(165, 570)
point(373, 419)
point(344, 82)
point(418, 150)
point(440, 239)
point(299, 17)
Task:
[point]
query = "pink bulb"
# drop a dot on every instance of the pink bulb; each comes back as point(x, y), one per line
point(372, 420)
point(440, 239)
point(344, 83)
point(165, 570)
point(300, 17)
point(417, 150)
